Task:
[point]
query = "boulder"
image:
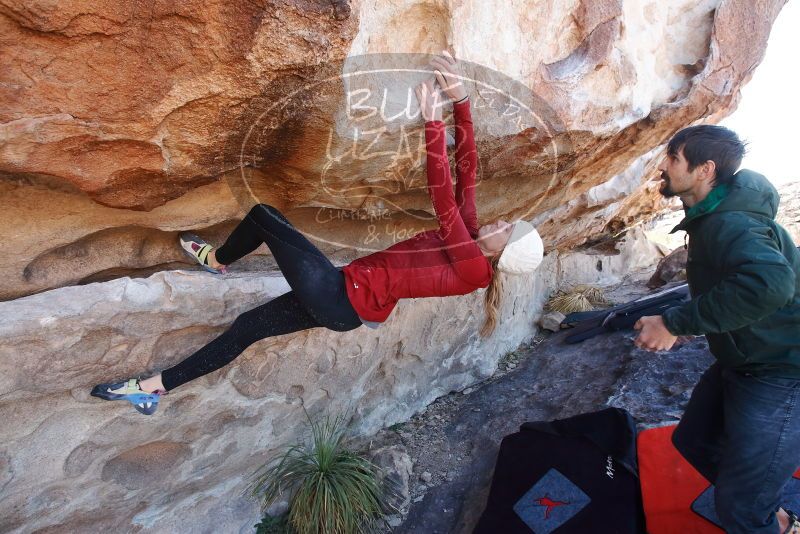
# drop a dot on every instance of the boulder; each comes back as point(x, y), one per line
point(671, 267)
point(124, 124)
point(395, 471)
point(72, 463)
point(552, 321)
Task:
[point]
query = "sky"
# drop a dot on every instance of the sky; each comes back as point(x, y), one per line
point(768, 116)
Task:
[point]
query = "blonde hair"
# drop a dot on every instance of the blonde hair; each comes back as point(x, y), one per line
point(492, 299)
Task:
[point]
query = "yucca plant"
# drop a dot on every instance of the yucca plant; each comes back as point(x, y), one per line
point(579, 298)
point(331, 489)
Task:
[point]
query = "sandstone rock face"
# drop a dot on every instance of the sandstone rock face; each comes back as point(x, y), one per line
point(789, 209)
point(124, 123)
point(72, 463)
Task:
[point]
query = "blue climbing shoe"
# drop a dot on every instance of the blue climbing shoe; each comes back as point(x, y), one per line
point(145, 403)
point(198, 250)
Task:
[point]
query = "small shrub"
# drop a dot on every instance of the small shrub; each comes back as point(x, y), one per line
point(332, 490)
point(578, 299)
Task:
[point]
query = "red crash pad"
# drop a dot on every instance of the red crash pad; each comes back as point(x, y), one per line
point(670, 485)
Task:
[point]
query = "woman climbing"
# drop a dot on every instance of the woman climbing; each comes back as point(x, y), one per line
point(456, 259)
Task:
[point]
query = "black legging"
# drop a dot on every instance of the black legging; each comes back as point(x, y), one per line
point(318, 296)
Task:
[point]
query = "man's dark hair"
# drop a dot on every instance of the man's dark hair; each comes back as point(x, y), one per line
point(709, 142)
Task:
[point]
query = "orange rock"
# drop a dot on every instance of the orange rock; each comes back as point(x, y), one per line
point(122, 121)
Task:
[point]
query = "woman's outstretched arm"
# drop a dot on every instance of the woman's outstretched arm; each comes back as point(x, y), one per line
point(466, 166)
point(448, 75)
point(465, 256)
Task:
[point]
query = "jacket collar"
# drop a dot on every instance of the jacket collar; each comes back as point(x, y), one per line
point(704, 207)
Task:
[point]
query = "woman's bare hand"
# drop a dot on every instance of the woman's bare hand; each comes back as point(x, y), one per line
point(430, 100)
point(447, 73)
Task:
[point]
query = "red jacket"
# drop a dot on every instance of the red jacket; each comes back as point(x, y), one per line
point(436, 263)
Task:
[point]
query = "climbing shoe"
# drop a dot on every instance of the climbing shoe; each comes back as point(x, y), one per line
point(198, 250)
point(145, 403)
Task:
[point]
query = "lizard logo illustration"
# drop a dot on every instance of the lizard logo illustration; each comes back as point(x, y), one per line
point(549, 504)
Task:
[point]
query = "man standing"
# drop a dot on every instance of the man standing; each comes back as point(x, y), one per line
point(741, 428)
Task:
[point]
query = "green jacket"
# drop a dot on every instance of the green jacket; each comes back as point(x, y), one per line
point(744, 276)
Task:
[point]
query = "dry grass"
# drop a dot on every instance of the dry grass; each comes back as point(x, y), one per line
point(579, 298)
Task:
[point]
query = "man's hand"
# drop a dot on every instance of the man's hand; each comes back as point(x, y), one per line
point(653, 335)
point(430, 101)
point(447, 74)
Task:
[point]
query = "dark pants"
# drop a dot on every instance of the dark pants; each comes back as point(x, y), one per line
point(742, 433)
point(318, 296)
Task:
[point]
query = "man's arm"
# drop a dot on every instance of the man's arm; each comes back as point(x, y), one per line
point(653, 335)
point(759, 281)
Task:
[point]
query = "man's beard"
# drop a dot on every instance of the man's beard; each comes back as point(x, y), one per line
point(666, 188)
